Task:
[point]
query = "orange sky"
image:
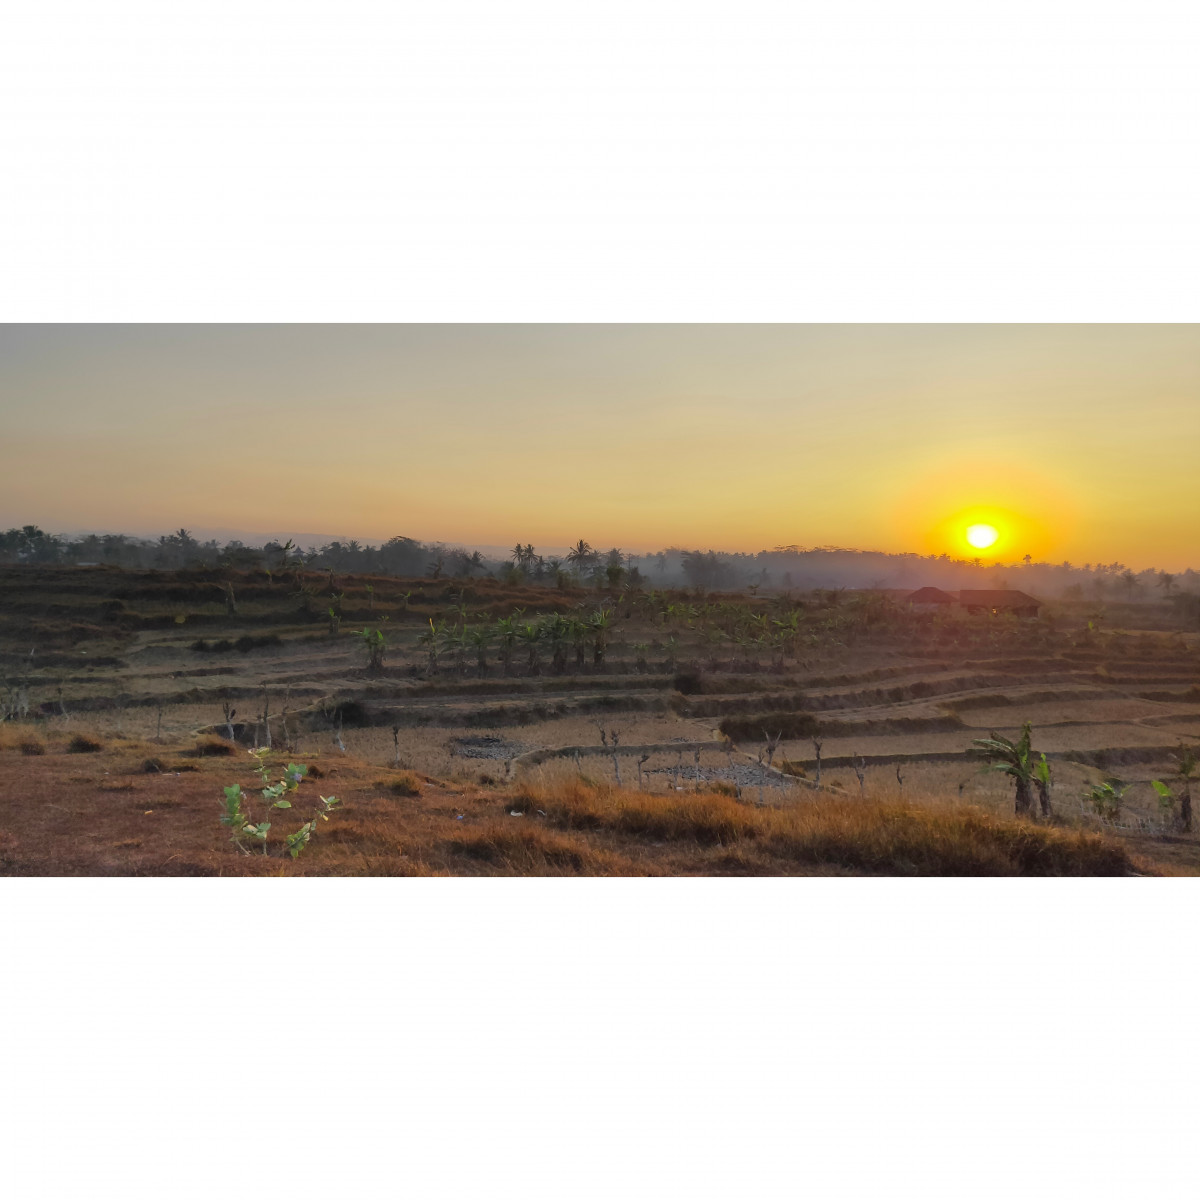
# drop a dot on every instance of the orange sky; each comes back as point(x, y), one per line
point(1076, 441)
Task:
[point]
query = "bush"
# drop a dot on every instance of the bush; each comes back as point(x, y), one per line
point(32, 749)
point(212, 748)
point(404, 784)
point(351, 714)
point(754, 728)
point(83, 745)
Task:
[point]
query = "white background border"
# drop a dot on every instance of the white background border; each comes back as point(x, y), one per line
point(521, 162)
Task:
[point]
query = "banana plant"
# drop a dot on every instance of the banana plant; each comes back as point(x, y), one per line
point(671, 646)
point(1042, 777)
point(557, 631)
point(529, 635)
point(1106, 799)
point(1014, 759)
point(506, 637)
point(376, 647)
point(601, 622)
point(1166, 799)
point(458, 644)
point(432, 639)
point(580, 633)
point(479, 639)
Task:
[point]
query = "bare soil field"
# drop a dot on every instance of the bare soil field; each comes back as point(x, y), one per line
point(487, 694)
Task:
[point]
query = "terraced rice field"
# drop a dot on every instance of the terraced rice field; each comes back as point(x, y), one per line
point(684, 690)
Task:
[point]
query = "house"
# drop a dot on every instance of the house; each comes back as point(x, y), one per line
point(997, 601)
point(930, 599)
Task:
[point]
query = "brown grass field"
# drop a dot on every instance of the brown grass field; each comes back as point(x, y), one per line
point(116, 748)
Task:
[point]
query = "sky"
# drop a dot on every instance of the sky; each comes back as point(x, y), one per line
point(1076, 442)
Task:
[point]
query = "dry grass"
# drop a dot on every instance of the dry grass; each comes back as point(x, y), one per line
point(212, 748)
point(878, 837)
point(514, 846)
point(406, 783)
point(166, 823)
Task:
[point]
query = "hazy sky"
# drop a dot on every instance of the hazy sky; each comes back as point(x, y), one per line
point(1079, 442)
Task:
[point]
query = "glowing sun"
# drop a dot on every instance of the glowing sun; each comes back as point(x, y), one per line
point(982, 536)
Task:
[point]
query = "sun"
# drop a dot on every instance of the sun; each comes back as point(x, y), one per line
point(982, 536)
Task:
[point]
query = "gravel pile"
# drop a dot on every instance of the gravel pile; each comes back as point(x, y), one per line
point(746, 775)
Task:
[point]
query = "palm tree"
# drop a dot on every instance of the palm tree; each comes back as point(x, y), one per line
point(1014, 759)
point(580, 555)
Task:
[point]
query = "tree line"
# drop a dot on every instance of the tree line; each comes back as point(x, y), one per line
point(782, 568)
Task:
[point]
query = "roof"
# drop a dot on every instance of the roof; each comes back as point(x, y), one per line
point(997, 598)
point(930, 595)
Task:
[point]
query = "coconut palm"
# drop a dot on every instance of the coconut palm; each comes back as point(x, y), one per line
point(580, 555)
point(1014, 759)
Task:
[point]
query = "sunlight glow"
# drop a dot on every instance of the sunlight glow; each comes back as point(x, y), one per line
point(982, 536)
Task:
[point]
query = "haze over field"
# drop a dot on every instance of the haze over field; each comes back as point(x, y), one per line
point(1069, 441)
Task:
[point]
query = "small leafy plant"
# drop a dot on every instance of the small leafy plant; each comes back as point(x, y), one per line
point(376, 647)
point(1106, 798)
point(244, 825)
point(1166, 798)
